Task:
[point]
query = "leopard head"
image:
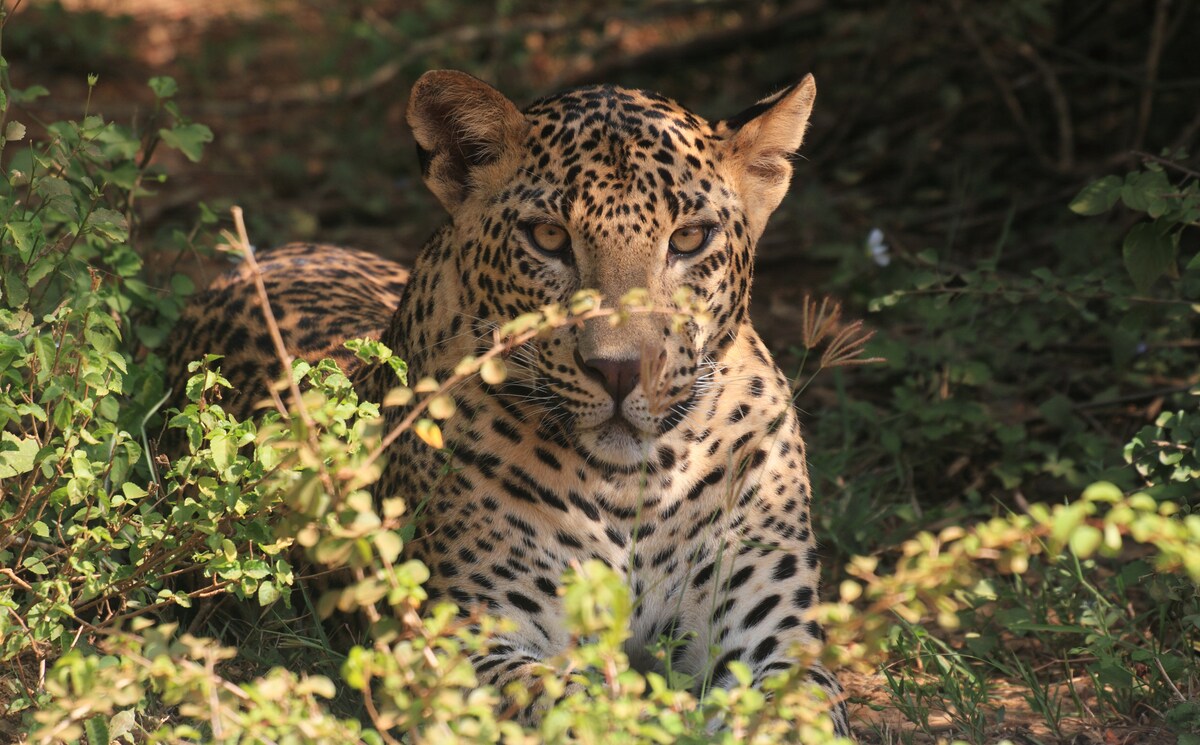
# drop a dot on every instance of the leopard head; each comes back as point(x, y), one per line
point(610, 189)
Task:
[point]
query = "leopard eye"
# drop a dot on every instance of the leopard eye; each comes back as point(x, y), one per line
point(548, 238)
point(691, 239)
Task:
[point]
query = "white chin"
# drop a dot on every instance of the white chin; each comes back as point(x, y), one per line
point(616, 439)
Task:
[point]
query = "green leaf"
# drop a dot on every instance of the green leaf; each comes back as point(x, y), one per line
point(25, 235)
point(1149, 252)
point(1146, 191)
point(97, 730)
point(353, 669)
point(256, 568)
point(153, 336)
point(32, 93)
point(1085, 540)
point(224, 450)
point(181, 284)
point(132, 490)
point(268, 593)
point(110, 224)
point(100, 339)
point(14, 131)
point(35, 565)
point(164, 86)
point(1097, 197)
point(389, 545)
point(188, 139)
point(16, 455)
point(39, 269)
point(1103, 491)
point(126, 263)
point(122, 726)
point(741, 671)
point(51, 187)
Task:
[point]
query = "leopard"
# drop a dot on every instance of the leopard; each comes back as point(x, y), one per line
point(320, 295)
point(669, 450)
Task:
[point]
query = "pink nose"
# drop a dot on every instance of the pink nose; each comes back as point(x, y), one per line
point(619, 376)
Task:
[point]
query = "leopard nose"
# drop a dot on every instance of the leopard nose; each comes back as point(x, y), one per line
point(619, 376)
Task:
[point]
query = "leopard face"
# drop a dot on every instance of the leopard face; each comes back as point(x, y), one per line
point(608, 189)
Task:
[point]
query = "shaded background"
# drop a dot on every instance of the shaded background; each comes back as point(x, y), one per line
point(935, 118)
point(948, 135)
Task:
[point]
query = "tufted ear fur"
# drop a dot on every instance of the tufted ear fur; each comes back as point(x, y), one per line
point(461, 124)
point(760, 142)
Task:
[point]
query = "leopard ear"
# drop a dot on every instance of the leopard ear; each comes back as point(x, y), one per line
point(760, 142)
point(461, 125)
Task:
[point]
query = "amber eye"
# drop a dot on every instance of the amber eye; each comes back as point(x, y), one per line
point(691, 239)
point(548, 238)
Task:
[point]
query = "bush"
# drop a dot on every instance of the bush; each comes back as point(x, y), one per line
point(1020, 379)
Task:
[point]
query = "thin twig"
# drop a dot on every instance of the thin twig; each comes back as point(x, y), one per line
point(268, 315)
point(281, 350)
point(1001, 82)
point(758, 34)
point(1062, 108)
point(1166, 162)
point(499, 348)
point(1179, 697)
point(1153, 55)
point(369, 703)
point(1140, 396)
point(1187, 133)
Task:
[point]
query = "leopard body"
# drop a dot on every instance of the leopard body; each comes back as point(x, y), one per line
point(669, 451)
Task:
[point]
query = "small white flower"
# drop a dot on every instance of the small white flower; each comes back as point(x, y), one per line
point(877, 248)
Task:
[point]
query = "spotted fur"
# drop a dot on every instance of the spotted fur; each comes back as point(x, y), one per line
point(693, 485)
point(321, 295)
